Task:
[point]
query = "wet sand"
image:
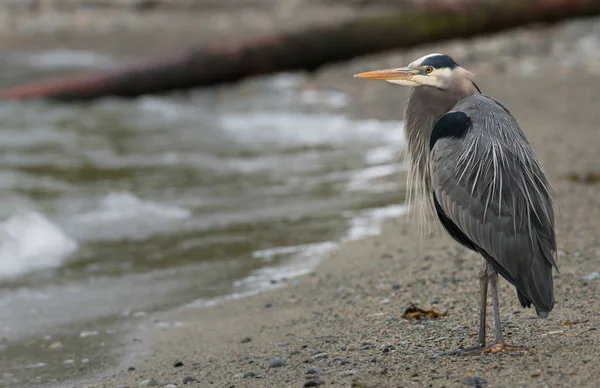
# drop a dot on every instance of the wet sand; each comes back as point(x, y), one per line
point(343, 325)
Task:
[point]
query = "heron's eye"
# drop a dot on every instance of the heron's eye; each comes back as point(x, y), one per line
point(428, 69)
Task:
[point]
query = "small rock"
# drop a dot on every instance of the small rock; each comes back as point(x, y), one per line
point(149, 383)
point(268, 305)
point(122, 386)
point(245, 340)
point(475, 381)
point(395, 286)
point(351, 348)
point(131, 369)
point(294, 352)
point(248, 374)
point(320, 356)
point(385, 300)
point(366, 347)
point(170, 386)
point(178, 364)
point(350, 372)
point(314, 383)
point(188, 379)
point(283, 344)
point(56, 346)
point(276, 363)
point(593, 276)
point(314, 371)
point(342, 347)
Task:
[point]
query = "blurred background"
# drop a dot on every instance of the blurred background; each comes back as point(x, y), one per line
point(114, 208)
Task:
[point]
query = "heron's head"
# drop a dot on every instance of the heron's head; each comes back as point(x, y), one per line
point(437, 70)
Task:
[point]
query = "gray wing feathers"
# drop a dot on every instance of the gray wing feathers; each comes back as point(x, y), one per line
point(490, 184)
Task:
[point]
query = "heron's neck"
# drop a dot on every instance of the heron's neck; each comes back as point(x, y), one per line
point(425, 106)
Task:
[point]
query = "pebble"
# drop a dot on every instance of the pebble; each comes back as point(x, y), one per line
point(314, 371)
point(320, 356)
point(56, 346)
point(245, 375)
point(593, 276)
point(351, 348)
point(246, 340)
point(350, 372)
point(268, 305)
point(314, 383)
point(475, 381)
point(178, 364)
point(276, 363)
point(188, 379)
point(131, 368)
point(395, 286)
point(385, 300)
point(149, 383)
point(170, 386)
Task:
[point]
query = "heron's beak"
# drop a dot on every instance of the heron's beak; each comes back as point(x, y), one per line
point(401, 75)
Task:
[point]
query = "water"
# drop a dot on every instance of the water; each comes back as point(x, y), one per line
point(112, 210)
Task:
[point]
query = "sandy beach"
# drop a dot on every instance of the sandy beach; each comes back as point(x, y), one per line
point(342, 325)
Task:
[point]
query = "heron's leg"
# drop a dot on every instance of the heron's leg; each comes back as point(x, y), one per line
point(483, 285)
point(499, 338)
point(488, 275)
point(498, 345)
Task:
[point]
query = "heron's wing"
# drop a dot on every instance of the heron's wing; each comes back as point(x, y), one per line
point(492, 195)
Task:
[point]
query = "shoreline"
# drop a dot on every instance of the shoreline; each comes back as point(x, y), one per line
point(343, 323)
point(344, 319)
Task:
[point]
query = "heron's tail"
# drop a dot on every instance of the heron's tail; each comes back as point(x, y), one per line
point(538, 285)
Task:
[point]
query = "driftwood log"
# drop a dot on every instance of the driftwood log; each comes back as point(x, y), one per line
point(305, 50)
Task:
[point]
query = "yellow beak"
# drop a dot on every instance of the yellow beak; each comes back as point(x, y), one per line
point(400, 73)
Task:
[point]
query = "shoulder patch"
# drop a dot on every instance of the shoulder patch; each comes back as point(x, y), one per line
point(453, 124)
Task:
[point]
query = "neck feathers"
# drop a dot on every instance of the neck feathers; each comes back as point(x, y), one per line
point(425, 106)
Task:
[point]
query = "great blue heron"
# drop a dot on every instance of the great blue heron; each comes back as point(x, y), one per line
point(473, 164)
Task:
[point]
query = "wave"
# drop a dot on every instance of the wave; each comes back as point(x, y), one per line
point(29, 241)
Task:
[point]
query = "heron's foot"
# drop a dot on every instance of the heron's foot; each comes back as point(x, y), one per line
point(497, 347)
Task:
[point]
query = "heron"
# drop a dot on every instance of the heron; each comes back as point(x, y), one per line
point(474, 167)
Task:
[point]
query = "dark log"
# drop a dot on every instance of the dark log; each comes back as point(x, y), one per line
point(307, 49)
